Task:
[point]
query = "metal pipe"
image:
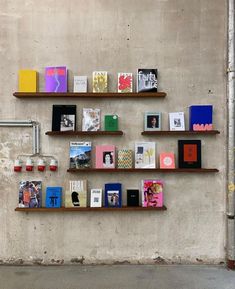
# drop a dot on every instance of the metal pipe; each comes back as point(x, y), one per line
point(37, 138)
point(17, 124)
point(34, 139)
point(231, 143)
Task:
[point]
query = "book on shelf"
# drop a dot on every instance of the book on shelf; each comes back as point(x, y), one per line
point(90, 119)
point(53, 197)
point(132, 197)
point(176, 120)
point(152, 193)
point(189, 153)
point(152, 121)
point(76, 194)
point(200, 117)
point(80, 84)
point(111, 122)
point(64, 117)
point(125, 81)
point(147, 80)
point(100, 81)
point(113, 195)
point(96, 198)
point(167, 160)
point(105, 156)
point(80, 155)
point(125, 159)
point(145, 155)
point(56, 79)
point(28, 80)
point(30, 194)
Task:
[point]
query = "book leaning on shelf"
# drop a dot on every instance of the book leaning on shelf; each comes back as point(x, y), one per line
point(152, 193)
point(30, 194)
point(76, 194)
point(80, 155)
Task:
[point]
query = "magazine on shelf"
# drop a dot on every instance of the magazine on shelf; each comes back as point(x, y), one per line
point(152, 193)
point(30, 194)
point(80, 84)
point(147, 80)
point(145, 155)
point(80, 155)
point(56, 79)
point(100, 81)
point(90, 119)
point(76, 194)
point(105, 156)
point(125, 81)
point(96, 198)
point(113, 195)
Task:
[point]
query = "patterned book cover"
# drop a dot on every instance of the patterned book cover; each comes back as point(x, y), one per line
point(200, 117)
point(167, 160)
point(105, 156)
point(80, 84)
point(96, 198)
point(90, 119)
point(152, 193)
point(56, 79)
point(113, 195)
point(145, 155)
point(111, 122)
point(28, 80)
point(100, 81)
point(30, 194)
point(125, 159)
point(80, 155)
point(125, 81)
point(53, 197)
point(76, 195)
point(147, 80)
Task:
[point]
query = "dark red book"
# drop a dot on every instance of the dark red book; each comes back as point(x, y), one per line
point(189, 154)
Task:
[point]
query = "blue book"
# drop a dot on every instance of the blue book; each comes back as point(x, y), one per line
point(113, 195)
point(200, 117)
point(53, 197)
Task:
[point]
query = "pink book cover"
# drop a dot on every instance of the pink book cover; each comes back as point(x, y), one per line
point(167, 161)
point(152, 193)
point(105, 156)
point(56, 79)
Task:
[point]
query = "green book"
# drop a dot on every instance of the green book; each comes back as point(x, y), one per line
point(111, 122)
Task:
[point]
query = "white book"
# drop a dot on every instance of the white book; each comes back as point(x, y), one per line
point(125, 80)
point(176, 120)
point(96, 198)
point(90, 119)
point(80, 84)
point(145, 155)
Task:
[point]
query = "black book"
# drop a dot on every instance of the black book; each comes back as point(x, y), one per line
point(132, 198)
point(147, 80)
point(64, 118)
point(189, 154)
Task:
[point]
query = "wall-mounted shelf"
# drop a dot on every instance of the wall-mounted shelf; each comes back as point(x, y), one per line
point(88, 95)
point(202, 170)
point(85, 133)
point(89, 209)
point(176, 132)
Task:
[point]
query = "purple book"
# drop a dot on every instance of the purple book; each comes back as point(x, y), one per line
point(56, 79)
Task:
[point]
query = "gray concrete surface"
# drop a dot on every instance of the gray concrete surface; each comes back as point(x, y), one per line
point(117, 277)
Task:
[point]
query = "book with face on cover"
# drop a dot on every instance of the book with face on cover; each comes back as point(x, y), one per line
point(96, 198)
point(76, 194)
point(30, 194)
point(152, 193)
point(80, 84)
point(56, 79)
point(28, 80)
point(125, 81)
point(145, 155)
point(80, 155)
point(105, 156)
point(113, 195)
point(147, 80)
point(100, 81)
point(90, 119)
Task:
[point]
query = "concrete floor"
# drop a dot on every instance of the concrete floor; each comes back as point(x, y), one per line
point(116, 277)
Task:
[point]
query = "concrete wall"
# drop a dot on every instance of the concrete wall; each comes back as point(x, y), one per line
point(186, 41)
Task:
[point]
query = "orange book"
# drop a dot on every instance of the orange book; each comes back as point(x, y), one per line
point(167, 160)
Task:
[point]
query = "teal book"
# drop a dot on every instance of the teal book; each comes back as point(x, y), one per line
point(110, 122)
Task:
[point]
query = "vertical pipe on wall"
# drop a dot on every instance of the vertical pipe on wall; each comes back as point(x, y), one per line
point(231, 144)
point(37, 138)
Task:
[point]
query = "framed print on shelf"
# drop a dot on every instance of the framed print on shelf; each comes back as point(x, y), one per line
point(189, 153)
point(152, 121)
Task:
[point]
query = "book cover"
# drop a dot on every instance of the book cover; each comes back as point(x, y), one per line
point(53, 197)
point(176, 120)
point(64, 117)
point(30, 194)
point(105, 156)
point(96, 198)
point(145, 155)
point(100, 81)
point(76, 195)
point(132, 197)
point(111, 122)
point(152, 193)
point(80, 84)
point(28, 80)
point(152, 121)
point(147, 80)
point(80, 155)
point(90, 119)
point(113, 195)
point(189, 153)
point(56, 79)
point(167, 160)
point(200, 117)
point(125, 160)
point(125, 82)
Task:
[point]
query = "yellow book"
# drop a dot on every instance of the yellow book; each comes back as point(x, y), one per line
point(100, 81)
point(27, 80)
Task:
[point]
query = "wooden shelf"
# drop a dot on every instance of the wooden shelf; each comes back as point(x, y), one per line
point(202, 170)
point(102, 209)
point(90, 133)
point(185, 132)
point(88, 95)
